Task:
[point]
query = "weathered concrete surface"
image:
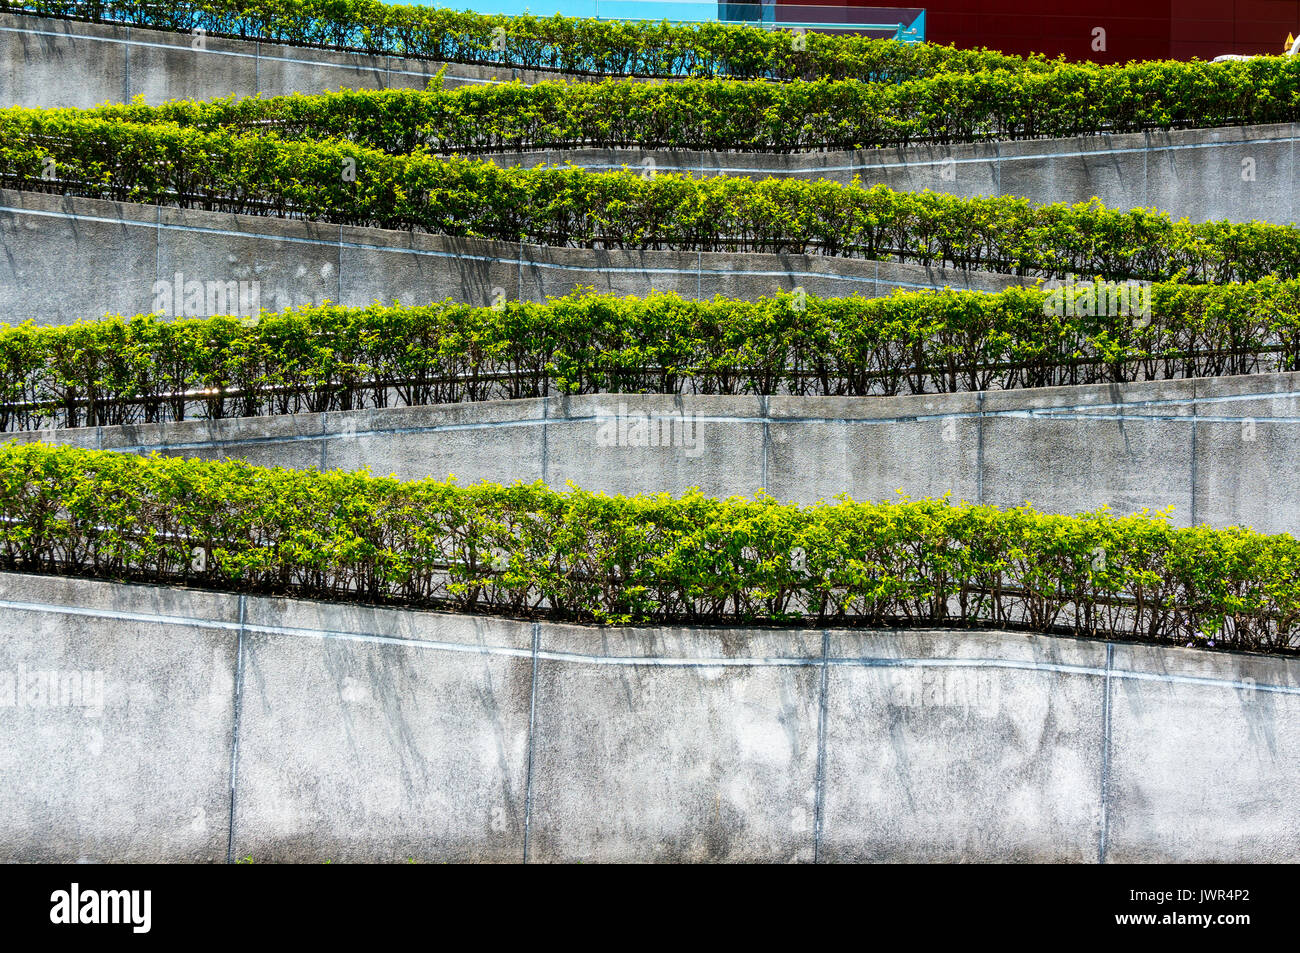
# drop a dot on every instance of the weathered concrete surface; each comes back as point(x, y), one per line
point(1240, 173)
point(639, 761)
point(69, 259)
point(1189, 745)
point(425, 752)
point(932, 755)
point(46, 62)
point(144, 774)
point(1216, 450)
point(359, 733)
point(66, 256)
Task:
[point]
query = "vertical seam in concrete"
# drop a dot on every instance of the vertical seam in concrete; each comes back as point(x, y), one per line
point(99, 438)
point(1146, 176)
point(519, 272)
point(234, 729)
point(532, 721)
point(257, 67)
point(1105, 755)
point(699, 252)
point(126, 68)
point(1194, 474)
point(979, 447)
point(338, 293)
point(157, 251)
point(767, 437)
point(997, 166)
point(324, 442)
point(1292, 193)
point(546, 445)
point(819, 796)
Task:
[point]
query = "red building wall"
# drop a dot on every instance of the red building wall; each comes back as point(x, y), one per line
point(1135, 29)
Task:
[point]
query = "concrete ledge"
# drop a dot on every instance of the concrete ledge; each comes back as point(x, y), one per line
point(47, 62)
point(1239, 173)
point(285, 730)
point(70, 259)
point(1214, 449)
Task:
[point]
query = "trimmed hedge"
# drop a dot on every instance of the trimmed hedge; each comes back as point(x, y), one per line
point(714, 114)
point(314, 359)
point(564, 44)
point(528, 550)
point(165, 164)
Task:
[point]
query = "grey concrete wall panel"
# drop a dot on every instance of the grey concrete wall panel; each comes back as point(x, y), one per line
point(69, 256)
point(46, 62)
point(1192, 736)
point(300, 442)
point(61, 63)
point(1245, 456)
point(184, 66)
point(352, 732)
point(373, 744)
point(128, 759)
point(1110, 167)
point(1241, 174)
point(841, 445)
point(1216, 450)
point(496, 442)
point(933, 755)
point(657, 444)
point(77, 259)
point(639, 761)
point(294, 263)
point(416, 268)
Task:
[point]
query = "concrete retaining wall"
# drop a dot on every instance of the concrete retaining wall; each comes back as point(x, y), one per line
point(1239, 174)
point(286, 730)
point(1217, 450)
point(70, 259)
point(48, 62)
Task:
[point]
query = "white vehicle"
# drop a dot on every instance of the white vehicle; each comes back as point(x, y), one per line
point(1229, 57)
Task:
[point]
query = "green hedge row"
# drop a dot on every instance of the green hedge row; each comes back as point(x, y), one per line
point(528, 549)
point(565, 44)
point(768, 117)
point(314, 359)
point(345, 183)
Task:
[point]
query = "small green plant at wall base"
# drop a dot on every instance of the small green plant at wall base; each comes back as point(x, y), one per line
point(609, 559)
